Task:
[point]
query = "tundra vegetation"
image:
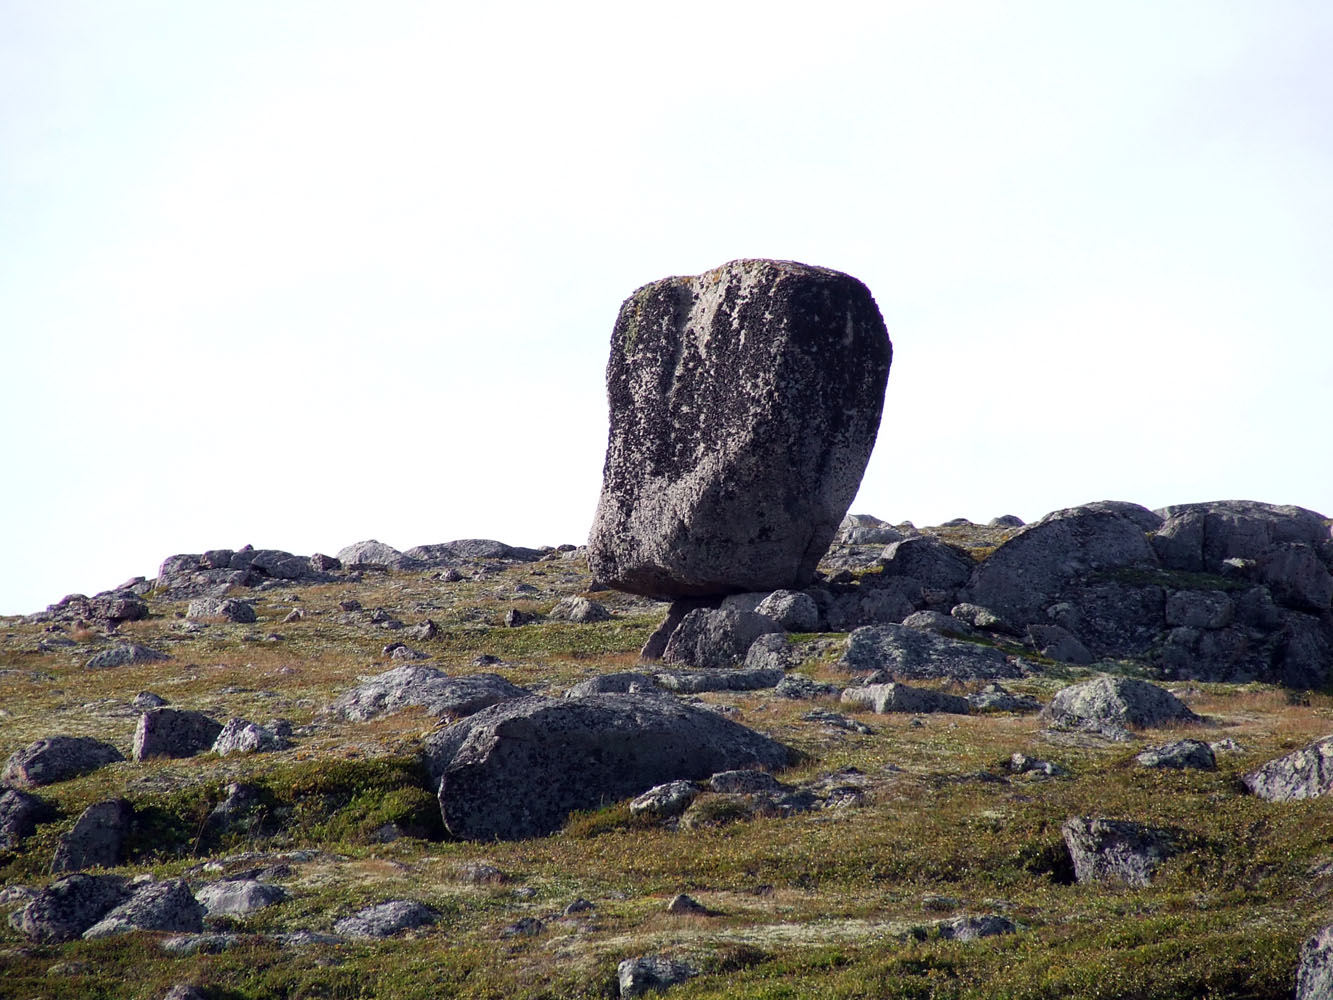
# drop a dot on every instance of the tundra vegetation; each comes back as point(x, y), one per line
point(858, 900)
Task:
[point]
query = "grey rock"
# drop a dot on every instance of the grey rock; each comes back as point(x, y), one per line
point(656, 973)
point(912, 654)
point(579, 905)
point(173, 732)
point(1108, 850)
point(321, 563)
point(145, 700)
point(57, 758)
point(1201, 537)
point(773, 651)
point(441, 695)
point(739, 679)
point(514, 618)
point(1005, 521)
point(372, 553)
point(887, 602)
point(156, 906)
point(518, 769)
point(1021, 763)
point(939, 623)
point(720, 638)
point(744, 406)
point(580, 610)
point(1303, 651)
point(901, 698)
point(524, 927)
point(184, 991)
point(244, 736)
point(792, 610)
point(1181, 755)
point(665, 800)
point(274, 564)
point(676, 613)
point(1056, 643)
point(121, 653)
point(972, 928)
point(1115, 701)
point(229, 609)
point(1296, 576)
point(682, 905)
point(470, 549)
point(97, 839)
point(982, 619)
point(1200, 609)
point(748, 601)
point(1036, 564)
point(800, 687)
point(238, 897)
point(928, 560)
point(68, 907)
point(1115, 619)
point(624, 682)
point(863, 529)
point(19, 815)
point(1303, 774)
point(386, 919)
point(994, 698)
point(1314, 974)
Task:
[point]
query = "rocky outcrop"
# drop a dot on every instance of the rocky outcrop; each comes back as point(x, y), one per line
point(441, 695)
point(519, 769)
point(1314, 975)
point(744, 405)
point(1030, 570)
point(228, 609)
point(57, 758)
point(1304, 774)
point(1109, 850)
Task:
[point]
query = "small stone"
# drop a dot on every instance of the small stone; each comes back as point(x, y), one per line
point(972, 928)
point(662, 801)
point(525, 927)
point(686, 906)
point(1181, 755)
point(579, 905)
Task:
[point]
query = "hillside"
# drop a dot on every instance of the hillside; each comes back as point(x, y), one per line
point(904, 854)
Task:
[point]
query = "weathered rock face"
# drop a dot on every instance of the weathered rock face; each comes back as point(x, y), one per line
point(901, 698)
point(97, 838)
point(19, 813)
point(442, 695)
point(1314, 976)
point(718, 638)
point(157, 906)
point(744, 402)
point(173, 732)
point(519, 769)
point(68, 907)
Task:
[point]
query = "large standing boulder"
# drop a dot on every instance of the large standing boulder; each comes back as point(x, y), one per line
point(744, 403)
point(1112, 850)
point(97, 839)
point(519, 769)
point(155, 906)
point(19, 815)
point(173, 732)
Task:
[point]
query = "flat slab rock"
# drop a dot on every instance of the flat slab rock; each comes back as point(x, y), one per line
point(744, 404)
point(386, 919)
point(441, 695)
point(913, 654)
point(519, 769)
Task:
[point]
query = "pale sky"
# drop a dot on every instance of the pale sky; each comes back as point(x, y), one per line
point(300, 274)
